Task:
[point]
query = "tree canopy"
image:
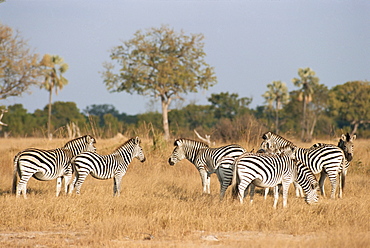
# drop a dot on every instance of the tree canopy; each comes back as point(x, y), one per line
point(160, 63)
point(19, 68)
point(350, 102)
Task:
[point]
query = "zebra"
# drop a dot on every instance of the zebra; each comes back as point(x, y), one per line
point(45, 165)
point(346, 144)
point(331, 159)
point(298, 190)
point(269, 170)
point(106, 166)
point(206, 160)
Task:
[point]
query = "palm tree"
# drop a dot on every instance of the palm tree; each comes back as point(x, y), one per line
point(306, 82)
point(277, 94)
point(54, 67)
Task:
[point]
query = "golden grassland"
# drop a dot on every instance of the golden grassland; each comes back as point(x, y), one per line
point(162, 206)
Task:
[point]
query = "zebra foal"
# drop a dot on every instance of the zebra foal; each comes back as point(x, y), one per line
point(327, 158)
point(206, 161)
point(270, 170)
point(45, 165)
point(106, 166)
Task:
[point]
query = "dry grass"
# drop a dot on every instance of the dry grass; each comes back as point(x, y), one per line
point(162, 206)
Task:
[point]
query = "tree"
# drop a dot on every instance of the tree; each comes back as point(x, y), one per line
point(162, 64)
point(350, 102)
point(229, 106)
point(277, 95)
point(54, 67)
point(19, 68)
point(306, 82)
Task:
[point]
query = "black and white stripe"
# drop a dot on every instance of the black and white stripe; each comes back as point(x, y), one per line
point(107, 166)
point(328, 158)
point(269, 170)
point(47, 165)
point(346, 144)
point(206, 160)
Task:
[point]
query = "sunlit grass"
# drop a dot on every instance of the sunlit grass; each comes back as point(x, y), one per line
point(162, 205)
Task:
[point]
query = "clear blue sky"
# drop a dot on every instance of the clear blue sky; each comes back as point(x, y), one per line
point(249, 43)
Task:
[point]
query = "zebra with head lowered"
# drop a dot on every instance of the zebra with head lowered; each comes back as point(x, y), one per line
point(346, 144)
point(328, 158)
point(206, 160)
point(269, 170)
point(107, 166)
point(47, 165)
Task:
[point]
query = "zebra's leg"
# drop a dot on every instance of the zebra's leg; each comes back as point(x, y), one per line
point(266, 192)
point(333, 182)
point(117, 185)
point(342, 180)
point(72, 185)
point(59, 185)
point(321, 182)
point(79, 181)
point(285, 186)
point(22, 185)
point(298, 190)
point(251, 193)
point(206, 181)
point(276, 196)
point(67, 183)
point(241, 189)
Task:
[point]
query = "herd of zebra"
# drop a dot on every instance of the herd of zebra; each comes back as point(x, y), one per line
point(276, 164)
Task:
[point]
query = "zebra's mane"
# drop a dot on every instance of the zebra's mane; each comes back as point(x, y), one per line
point(79, 138)
point(131, 140)
point(270, 134)
point(190, 140)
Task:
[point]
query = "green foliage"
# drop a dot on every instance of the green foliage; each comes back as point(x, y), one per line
point(228, 106)
point(160, 63)
point(64, 113)
point(350, 103)
point(19, 122)
point(276, 96)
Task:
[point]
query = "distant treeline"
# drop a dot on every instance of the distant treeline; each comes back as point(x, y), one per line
point(226, 118)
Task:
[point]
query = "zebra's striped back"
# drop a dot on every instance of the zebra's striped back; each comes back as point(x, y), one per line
point(48, 164)
point(328, 159)
point(206, 160)
point(103, 167)
point(269, 170)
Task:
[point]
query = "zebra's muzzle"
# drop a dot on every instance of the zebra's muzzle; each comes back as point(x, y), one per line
point(171, 162)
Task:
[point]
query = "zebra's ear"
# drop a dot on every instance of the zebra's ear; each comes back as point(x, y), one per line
point(91, 139)
point(343, 137)
point(266, 135)
point(137, 140)
point(352, 138)
point(177, 143)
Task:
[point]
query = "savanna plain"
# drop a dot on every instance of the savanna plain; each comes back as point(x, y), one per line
point(162, 206)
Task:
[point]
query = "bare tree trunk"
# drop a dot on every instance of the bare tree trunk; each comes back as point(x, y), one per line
point(277, 117)
point(355, 127)
point(165, 104)
point(304, 121)
point(49, 116)
point(312, 128)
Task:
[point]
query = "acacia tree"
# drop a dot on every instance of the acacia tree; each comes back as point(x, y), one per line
point(350, 102)
point(162, 64)
point(277, 95)
point(54, 67)
point(19, 68)
point(306, 81)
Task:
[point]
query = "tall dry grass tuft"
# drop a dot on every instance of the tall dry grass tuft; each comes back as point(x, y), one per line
point(162, 205)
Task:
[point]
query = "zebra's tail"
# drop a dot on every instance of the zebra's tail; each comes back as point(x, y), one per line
point(235, 181)
point(15, 174)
